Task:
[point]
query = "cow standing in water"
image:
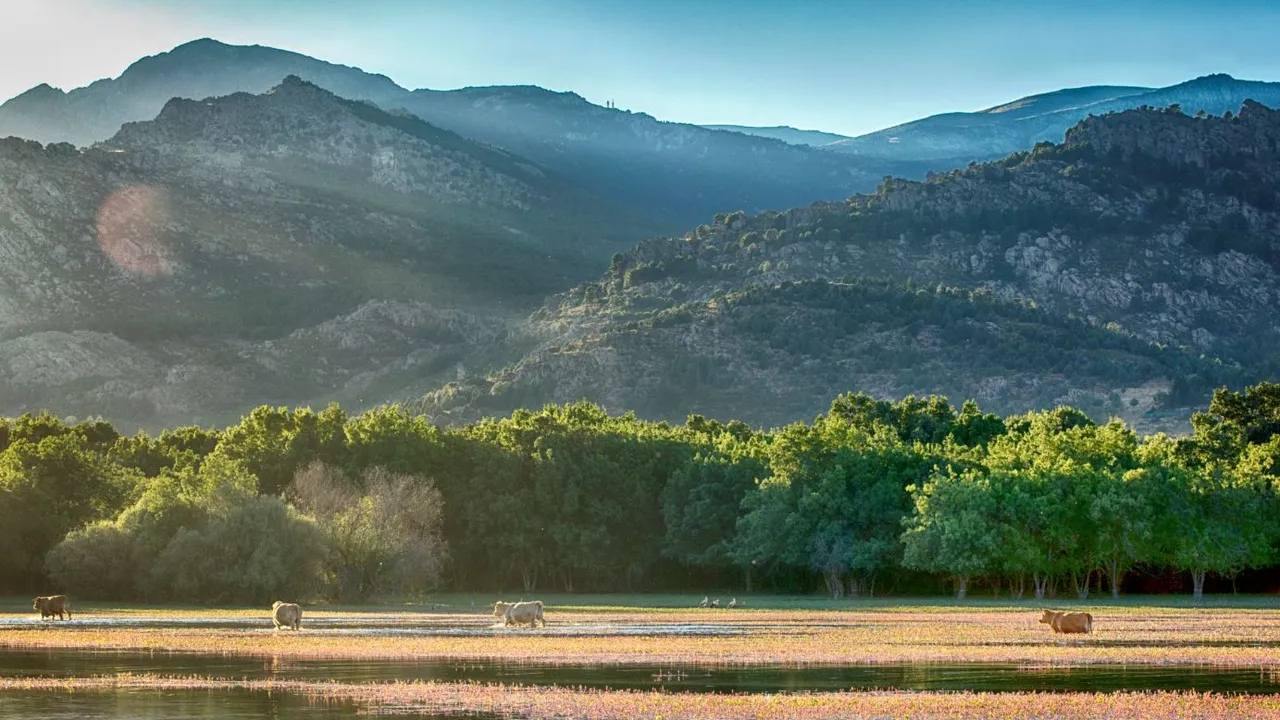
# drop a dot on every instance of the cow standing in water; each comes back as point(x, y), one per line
point(286, 615)
point(1068, 623)
point(520, 613)
point(52, 605)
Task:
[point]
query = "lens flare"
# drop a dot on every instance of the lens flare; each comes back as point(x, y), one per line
point(129, 230)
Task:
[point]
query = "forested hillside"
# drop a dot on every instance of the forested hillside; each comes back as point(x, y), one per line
point(1128, 270)
point(871, 497)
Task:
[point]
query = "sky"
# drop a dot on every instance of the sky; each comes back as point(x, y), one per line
point(847, 66)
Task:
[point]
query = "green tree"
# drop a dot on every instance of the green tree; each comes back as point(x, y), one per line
point(273, 443)
point(952, 530)
point(52, 483)
point(1215, 521)
point(700, 506)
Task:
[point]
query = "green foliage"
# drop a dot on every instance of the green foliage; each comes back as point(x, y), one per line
point(53, 479)
point(700, 504)
point(572, 498)
point(951, 530)
point(117, 559)
point(836, 498)
point(251, 550)
point(567, 495)
point(274, 443)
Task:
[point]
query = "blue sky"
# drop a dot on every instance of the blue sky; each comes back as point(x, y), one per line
point(848, 67)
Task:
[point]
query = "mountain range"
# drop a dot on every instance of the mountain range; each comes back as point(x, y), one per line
point(675, 173)
point(296, 231)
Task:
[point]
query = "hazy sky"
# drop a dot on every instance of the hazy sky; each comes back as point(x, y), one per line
point(851, 66)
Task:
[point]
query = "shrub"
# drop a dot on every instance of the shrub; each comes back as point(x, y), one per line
point(384, 528)
point(258, 551)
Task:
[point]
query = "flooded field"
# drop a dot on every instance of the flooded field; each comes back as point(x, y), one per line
point(891, 660)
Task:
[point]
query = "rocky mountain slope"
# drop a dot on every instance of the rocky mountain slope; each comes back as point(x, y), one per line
point(673, 172)
point(285, 247)
point(1127, 270)
point(953, 139)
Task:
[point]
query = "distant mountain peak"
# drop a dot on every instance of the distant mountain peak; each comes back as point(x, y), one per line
point(1213, 77)
point(204, 42)
point(42, 94)
point(41, 90)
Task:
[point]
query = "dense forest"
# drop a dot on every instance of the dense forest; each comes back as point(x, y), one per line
point(873, 497)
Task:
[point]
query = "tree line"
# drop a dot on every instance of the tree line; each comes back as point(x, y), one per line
point(873, 496)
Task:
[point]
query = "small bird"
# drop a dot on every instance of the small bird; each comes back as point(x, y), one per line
point(733, 603)
point(705, 602)
point(715, 603)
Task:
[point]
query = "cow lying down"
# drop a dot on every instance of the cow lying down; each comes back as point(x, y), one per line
point(520, 613)
point(1068, 622)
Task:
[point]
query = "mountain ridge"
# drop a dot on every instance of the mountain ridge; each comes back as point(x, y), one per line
point(674, 172)
point(288, 247)
point(785, 133)
point(953, 139)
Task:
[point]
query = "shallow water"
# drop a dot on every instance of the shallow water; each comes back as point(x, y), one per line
point(973, 676)
point(151, 705)
point(356, 625)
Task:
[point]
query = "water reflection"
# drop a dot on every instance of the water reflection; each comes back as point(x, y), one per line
point(977, 677)
point(151, 705)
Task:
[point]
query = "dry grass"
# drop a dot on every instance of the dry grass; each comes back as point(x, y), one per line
point(1236, 637)
point(540, 702)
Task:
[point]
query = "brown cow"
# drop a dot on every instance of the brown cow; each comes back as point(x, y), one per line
point(52, 605)
point(1068, 622)
point(286, 615)
point(524, 612)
